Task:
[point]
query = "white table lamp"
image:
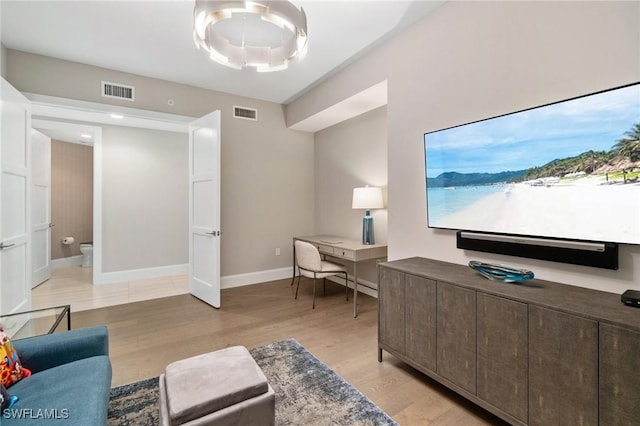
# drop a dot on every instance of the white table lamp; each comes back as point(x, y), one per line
point(367, 198)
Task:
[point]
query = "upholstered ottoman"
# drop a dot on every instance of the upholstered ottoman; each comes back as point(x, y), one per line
point(225, 387)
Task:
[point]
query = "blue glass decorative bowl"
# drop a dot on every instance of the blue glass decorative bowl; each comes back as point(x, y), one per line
point(503, 273)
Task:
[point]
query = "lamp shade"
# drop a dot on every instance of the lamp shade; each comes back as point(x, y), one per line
point(367, 198)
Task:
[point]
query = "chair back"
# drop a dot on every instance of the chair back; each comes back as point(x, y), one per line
point(307, 256)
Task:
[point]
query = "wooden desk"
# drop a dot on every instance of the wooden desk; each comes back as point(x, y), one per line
point(346, 249)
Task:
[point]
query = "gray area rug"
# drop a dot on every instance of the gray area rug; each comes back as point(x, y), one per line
point(307, 393)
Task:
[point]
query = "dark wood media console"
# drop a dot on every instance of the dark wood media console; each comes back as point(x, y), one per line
point(536, 353)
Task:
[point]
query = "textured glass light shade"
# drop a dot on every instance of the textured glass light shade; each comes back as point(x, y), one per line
point(367, 198)
point(266, 35)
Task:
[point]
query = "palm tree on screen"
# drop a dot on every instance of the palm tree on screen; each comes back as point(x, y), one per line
point(629, 145)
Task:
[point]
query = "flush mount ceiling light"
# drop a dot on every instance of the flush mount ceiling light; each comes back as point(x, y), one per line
point(266, 35)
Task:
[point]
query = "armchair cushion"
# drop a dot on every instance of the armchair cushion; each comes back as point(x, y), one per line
point(70, 383)
point(73, 394)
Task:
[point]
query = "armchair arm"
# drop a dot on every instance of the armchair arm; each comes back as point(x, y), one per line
point(51, 350)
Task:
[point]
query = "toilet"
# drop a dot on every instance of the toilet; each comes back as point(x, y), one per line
point(87, 254)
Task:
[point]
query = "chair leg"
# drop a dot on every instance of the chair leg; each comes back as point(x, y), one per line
point(297, 287)
point(294, 265)
point(313, 305)
point(324, 287)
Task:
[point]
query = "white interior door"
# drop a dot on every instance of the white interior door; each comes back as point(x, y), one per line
point(40, 207)
point(204, 208)
point(15, 202)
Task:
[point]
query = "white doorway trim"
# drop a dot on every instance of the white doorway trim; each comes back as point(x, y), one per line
point(91, 112)
point(55, 113)
point(96, 132)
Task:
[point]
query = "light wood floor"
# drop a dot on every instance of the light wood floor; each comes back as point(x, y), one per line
point(146, 336)
point(72, 285)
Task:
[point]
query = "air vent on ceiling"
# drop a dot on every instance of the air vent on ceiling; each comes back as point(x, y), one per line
point(118, 91)
point(245, 113)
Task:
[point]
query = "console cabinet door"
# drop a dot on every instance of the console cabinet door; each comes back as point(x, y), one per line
point(391, 294)
point(563, 368)
point(503, 355)
point(619, 379)
point(456, 331)
point(420, 334)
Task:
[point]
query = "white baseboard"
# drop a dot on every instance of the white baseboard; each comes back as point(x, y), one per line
point(228, 281)
point(140, 274)
point(63, 262)
point(239, 280)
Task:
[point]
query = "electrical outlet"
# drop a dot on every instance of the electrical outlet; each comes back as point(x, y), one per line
point(277, 251)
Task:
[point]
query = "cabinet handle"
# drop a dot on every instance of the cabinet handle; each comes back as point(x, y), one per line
point(3, 246)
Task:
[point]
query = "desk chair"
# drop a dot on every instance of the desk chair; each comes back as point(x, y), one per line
point(312, 266)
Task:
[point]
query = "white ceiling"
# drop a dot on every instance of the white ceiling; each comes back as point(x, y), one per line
point(154, 39)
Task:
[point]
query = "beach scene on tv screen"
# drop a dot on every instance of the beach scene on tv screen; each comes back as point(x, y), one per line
point(567, 170)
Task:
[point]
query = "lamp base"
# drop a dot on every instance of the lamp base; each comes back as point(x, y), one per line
point(367, 229)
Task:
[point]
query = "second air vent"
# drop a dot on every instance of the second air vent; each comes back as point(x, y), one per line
point(118, 91)
point(245, 113)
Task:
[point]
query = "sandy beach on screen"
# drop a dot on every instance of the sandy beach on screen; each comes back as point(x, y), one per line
point(608, 212)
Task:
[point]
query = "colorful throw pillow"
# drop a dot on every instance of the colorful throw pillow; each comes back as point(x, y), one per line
point(11, 370)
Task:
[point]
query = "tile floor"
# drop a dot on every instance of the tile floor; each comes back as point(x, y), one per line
point(72, 286)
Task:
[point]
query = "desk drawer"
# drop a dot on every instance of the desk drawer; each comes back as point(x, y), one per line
point(325, 249)
point(348, 254)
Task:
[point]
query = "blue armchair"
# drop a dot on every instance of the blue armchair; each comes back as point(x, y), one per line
point(70, 381)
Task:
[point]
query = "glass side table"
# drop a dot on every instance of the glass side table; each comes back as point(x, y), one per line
point(36, 322)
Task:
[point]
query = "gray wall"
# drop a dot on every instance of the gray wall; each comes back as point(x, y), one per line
point(472, 60)
point(267, 170)
point(145, 198)
point(348, 155)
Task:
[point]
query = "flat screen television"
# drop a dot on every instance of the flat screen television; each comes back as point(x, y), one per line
point(566, 170)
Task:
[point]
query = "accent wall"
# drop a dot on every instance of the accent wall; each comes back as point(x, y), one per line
point(71, 197)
